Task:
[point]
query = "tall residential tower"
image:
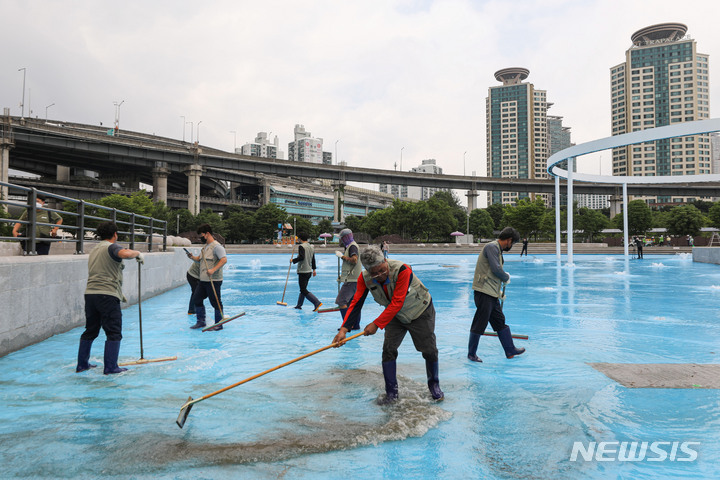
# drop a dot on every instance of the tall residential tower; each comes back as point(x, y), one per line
point(663, 81)
point(517, 137)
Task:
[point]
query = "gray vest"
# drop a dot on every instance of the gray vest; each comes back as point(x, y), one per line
point(208, 261)
point(105, 275)
point(484, 280)
point(416, 301)
point(305, 266)
point(349, 272)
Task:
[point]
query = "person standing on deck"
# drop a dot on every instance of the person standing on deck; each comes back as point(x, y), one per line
point(349, 273)
point(306, 267)
point(212, 258)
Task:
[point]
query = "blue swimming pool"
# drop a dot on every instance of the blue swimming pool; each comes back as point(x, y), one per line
point(317, 419)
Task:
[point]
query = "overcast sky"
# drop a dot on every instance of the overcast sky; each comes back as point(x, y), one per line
point(369, 77)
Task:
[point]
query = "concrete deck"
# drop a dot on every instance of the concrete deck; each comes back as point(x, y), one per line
point(662, 375)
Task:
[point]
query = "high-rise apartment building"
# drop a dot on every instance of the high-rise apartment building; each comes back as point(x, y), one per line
point(517, 136)
point(305, 148)
point(414, 192)
point(262, 147)
point(663, 81)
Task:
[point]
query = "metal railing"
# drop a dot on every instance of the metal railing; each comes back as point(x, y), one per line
point(133, 229)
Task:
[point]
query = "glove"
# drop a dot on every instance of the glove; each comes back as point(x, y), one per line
point(338, 253)
point(508, 280)
point(140, 258)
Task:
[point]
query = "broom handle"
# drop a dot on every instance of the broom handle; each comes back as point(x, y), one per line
point(205, 397)
point(292, 253)
point(140, 310)
point(212, 285)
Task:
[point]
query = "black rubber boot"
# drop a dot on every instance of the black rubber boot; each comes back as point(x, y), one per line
point(112, 350)
point(200, 312)
point(472, 347)
point(84, 356)
point(391, 385)
point(301, 300)
point(433, 380)
point(507, 343)
point(314, 300)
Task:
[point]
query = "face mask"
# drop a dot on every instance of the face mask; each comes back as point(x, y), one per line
point(202, 240)
point(507, 249)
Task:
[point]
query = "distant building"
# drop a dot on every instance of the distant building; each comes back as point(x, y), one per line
point(262, 147)
point(715, 149)
point(413, 192)
point(592, 201)
point(663, 81)
point(517, 131)
point(306, 148)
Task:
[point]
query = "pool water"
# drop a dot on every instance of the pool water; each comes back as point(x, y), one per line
point(317, 418)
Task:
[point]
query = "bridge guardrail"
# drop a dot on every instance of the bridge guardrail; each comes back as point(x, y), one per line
point(133, 229)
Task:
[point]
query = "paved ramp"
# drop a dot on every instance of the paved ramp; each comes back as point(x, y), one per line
point(662, 375)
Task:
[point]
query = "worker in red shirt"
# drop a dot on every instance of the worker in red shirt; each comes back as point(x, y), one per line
point(408, 308)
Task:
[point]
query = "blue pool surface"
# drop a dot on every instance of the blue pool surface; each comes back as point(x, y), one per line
point(317, 418)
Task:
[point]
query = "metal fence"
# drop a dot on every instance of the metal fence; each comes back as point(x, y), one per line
point(133, 229)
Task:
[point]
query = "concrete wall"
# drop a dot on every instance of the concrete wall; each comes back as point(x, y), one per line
point(706, 254)
point(42, 296)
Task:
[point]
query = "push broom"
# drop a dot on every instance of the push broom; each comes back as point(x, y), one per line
point(185, 409)
point(493, 334)
point(222, 315)
point(292, 253)
point(142, 360)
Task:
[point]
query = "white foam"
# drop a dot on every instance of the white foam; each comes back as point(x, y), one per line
point(538, 260)
point(714, 287)
point(657, 265)
point(255, 263)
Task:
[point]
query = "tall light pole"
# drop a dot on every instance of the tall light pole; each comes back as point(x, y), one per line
point(22, 104)
point(46, 110)
point(183, 117)
point(403, 148)
point(337, 160)
point(464, 163)
point(197, 138)
point(117, 114)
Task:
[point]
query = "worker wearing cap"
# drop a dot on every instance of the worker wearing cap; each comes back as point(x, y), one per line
point(349, 273)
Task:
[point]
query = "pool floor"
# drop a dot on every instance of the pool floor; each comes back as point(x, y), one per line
point(523, 418)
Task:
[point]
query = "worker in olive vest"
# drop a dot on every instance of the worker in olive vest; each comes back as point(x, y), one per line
point(306, 267)
point(212, 258)
point(487, 286)
point(103, 296)
point(41, 231)
point(408, 308)
point(349, 273)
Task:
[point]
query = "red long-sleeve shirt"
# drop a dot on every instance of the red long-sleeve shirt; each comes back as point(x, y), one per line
point(396, 302)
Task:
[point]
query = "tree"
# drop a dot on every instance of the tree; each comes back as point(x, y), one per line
point(714, 215)
point(325, 226)
point(685, 220)
point(450, 199)
point(352, 222)
point(481, 224)
point(591, 222)
point(238, 224)
point(525, 217)
point(302, 224)
point(213, 219)
point(375, 224)
point(639, 218)
point(496, 211)
point(266, 222)
point(401, 219)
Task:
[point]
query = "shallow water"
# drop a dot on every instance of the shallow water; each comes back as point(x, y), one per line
point(317, 418)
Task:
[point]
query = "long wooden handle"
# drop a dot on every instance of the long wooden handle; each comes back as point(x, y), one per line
point(205, 397)
point(212, 285)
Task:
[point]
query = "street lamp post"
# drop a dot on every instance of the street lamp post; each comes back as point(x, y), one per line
point(197, 138)
point(337, 161)
point(22, 105)
point(117, 115)
point(401, 150)
point(46, 110)
point(464, 163)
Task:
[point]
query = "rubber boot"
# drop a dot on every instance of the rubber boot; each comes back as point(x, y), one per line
point(391, 385)
point(433, 380)
point(472, 347)
point(507, 342)
point(84, 356)
point(316, 303)
point(301, 300)
point(200, 312)
point(112, 350)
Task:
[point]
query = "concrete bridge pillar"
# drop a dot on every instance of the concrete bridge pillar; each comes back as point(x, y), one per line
point(160, 176)
point(471, 200)
point(4, 169)
point(338, 202)
point(62, 174)
point(616, 202)
point(193, 172)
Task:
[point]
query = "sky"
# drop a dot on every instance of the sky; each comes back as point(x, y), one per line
point(380, 81)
